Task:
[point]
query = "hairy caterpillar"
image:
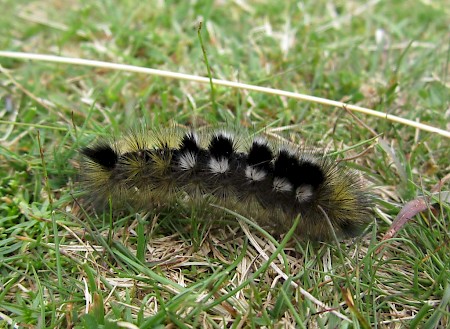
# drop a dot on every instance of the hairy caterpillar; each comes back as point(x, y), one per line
point(272, 184)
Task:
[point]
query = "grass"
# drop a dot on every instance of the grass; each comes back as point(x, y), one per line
point(60, 267)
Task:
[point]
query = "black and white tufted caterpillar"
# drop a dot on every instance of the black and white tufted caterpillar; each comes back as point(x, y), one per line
point(272, 184)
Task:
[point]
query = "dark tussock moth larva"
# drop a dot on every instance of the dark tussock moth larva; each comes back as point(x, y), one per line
point(272, 184)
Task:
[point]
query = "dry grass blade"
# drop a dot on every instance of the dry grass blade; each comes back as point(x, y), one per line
point(181, 76)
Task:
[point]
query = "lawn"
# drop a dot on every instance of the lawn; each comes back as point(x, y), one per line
point(65, 265)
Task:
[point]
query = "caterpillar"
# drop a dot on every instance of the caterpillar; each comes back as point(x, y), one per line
point(270, 182)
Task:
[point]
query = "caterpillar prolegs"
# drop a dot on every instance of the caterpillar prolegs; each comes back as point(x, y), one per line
point(271, 183)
